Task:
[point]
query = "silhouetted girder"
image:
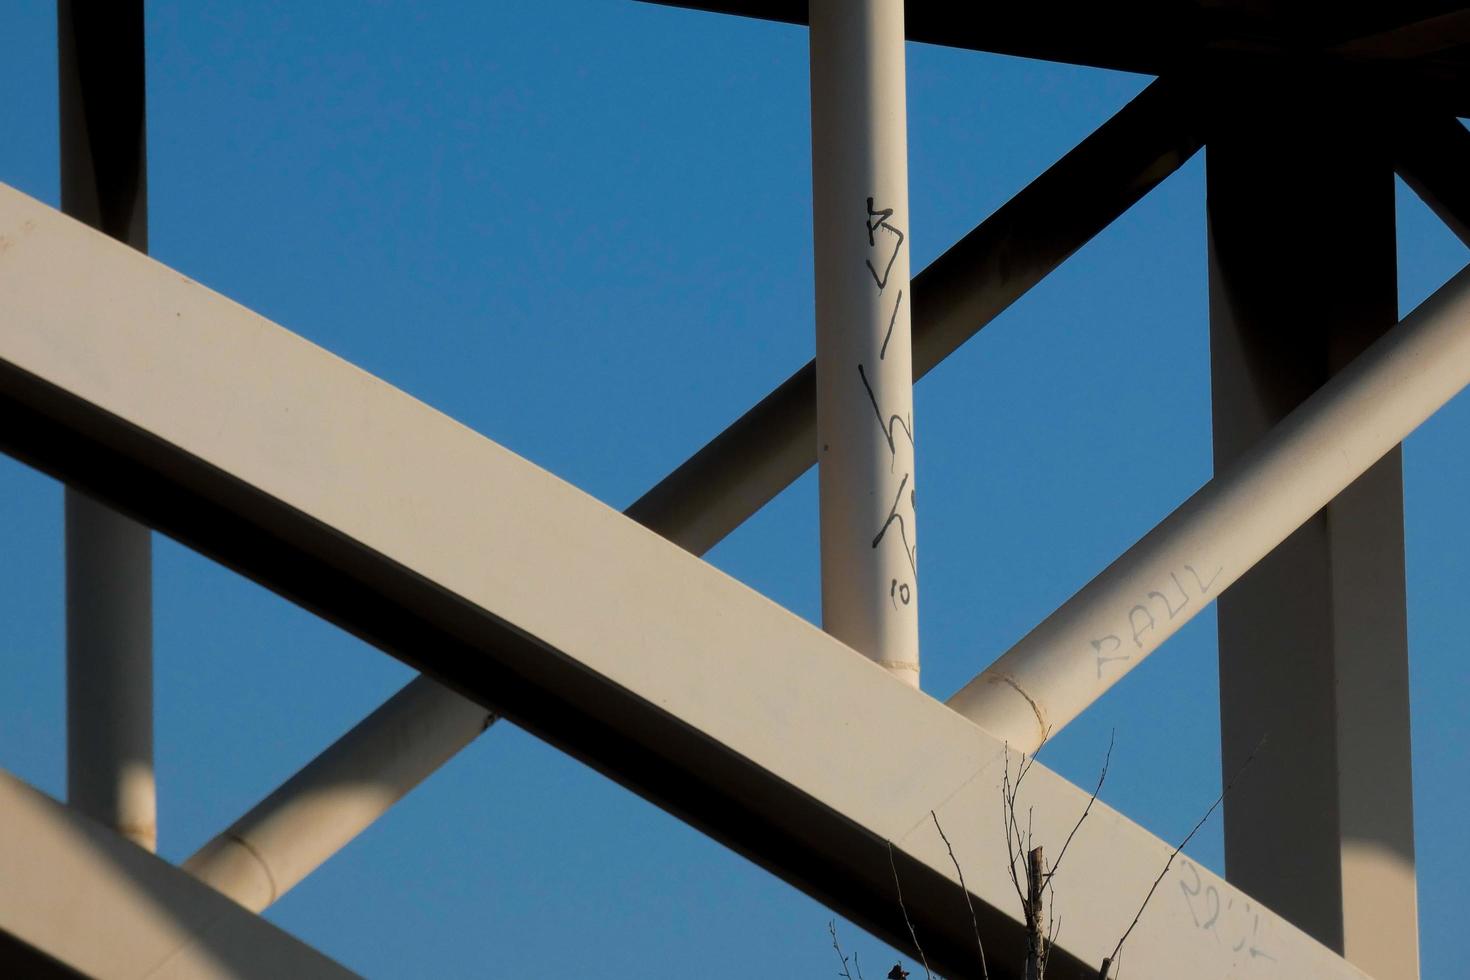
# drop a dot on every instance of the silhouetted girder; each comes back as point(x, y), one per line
point(331, 487)
point(1432, 155)
point(1395, 43)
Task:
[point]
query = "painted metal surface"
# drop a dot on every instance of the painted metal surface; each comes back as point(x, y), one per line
point(320, 809)
point(253, 445)
point(102, 906)
point(109, 558)
point(1124, 614)
point(752, 461)
point(974, 281)
point(865, 397)
point(1313, 640)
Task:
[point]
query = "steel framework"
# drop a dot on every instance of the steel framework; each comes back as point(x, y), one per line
point(170, 404)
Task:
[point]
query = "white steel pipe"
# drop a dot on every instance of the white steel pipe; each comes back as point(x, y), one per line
point(1179, 567)
point(109, 557)
point(339, 794)
point(865, 443)
point(713, 492)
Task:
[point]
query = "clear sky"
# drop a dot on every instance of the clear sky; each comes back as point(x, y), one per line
point(583, 229)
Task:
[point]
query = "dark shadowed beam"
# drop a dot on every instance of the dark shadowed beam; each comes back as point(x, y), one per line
point(1313, 639)
point(1148, 37)
point(770, 446)
point(280, 840)
point(1433, 158)
point(109, 559)
point(504, 582)
point(1404, 45)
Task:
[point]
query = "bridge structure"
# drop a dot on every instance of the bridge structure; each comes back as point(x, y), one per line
point(164, 406)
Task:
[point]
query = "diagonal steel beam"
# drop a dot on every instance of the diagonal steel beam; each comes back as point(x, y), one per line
point(1123, 615)
point(769, 447)
point(79, 900)
point(326, 484)
point(1433, 157)
point(340, 793)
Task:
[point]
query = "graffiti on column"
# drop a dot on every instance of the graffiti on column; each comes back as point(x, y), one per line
point(885, 240)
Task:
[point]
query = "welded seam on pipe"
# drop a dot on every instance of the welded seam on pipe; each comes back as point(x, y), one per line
point(1041, 729)
point(260, 860)
point(954, 297)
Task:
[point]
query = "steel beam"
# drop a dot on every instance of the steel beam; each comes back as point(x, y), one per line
point(80, 900)
point(865, 376)
point(740, 470)
point(339, 794)
point(769, 447)
point(1314, 638)
point(1409, 44)
point(109, 559)
point(1268, 491)
point(254, 446)
point(1433, 157)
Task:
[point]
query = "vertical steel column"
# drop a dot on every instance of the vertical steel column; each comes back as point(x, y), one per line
point(109, 592)
point(865, 430)
point(1313, 644)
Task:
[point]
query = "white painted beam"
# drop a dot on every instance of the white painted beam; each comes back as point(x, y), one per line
point(974, 281)
point(492, 576)
point(338, 795)
point(723, 484)
point(865, 373)
point(1122, 616)
point(104, 907)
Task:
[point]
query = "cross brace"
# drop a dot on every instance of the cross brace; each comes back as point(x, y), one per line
point(326, 484)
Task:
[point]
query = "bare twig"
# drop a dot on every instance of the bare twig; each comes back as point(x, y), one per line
point(974, 923)
point(832, 928)
point(905, 910)
point(1012, 828)
point(1091, 800)
point(1035, 900)
point(1107, 963)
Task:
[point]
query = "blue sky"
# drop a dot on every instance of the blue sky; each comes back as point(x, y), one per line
point(583, 228)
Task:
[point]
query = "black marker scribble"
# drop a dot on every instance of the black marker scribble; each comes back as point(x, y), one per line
point(886, 424)
point(901, 589)
point(873, 226)
point(883, 351)
point(894, 515)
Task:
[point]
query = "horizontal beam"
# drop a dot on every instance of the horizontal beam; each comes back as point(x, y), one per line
point(1123, 615)
point(77, 897)
point(720, 487)
point(254, 446)
point(1409, 44)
